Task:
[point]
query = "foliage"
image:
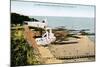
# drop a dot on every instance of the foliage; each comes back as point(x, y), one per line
point(21, 52)
point(19, 19)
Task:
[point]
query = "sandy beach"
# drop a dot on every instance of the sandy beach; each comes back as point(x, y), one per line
point(83, 49)
point(73, 50)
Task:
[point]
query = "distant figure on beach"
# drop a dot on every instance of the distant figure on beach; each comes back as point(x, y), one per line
point(43, 21)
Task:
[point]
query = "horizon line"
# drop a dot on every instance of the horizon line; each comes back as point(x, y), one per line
point(52, 15)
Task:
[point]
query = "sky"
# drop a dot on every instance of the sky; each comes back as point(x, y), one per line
point(44, 9)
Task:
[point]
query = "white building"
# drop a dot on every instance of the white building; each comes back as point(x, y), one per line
point(48, 37)
point(36, 24)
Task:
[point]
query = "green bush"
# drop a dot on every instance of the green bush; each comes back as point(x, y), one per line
point(21, 52)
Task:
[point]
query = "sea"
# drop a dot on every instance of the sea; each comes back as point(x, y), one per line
point(71, 23)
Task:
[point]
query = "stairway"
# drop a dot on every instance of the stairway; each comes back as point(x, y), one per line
point(44, 53)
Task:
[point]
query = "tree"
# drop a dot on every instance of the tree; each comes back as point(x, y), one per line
point(21, 53)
